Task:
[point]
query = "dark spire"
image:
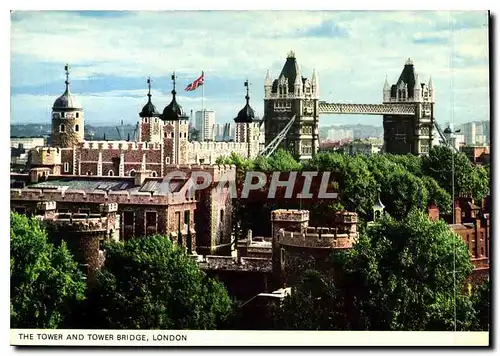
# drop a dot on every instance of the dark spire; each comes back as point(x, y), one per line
point(247, 114)
point(173, 81)
point(66, 69)
point(173, 111)
point(66, 102)
point(149, 89)
point(149, 110)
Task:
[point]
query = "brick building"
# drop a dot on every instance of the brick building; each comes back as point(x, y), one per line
point(163, 140)
point(472, 224)
point(143, 207)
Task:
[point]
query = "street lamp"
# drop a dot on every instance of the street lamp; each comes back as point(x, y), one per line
point(451, 142)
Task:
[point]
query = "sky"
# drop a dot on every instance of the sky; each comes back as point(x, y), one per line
point(112, 53)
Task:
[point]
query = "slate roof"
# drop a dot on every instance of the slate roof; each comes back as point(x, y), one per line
point(408, 77)
point(150, 185)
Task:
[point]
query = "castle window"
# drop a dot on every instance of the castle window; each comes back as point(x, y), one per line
point(20, 210)
point(145, 120)
point(151, 219)
point(185, 134)
point(154, 174)
point(180, 134)
point(172, 135)
point(89, 173)
point(111, 173)
point(132, 173)
point(186, 217)
point(222, 216)
point(128, 218)
point(62, 115)
point(66, 167)
point(77, 128)
point(167, 160)
point(77, 115)
point(62, 128)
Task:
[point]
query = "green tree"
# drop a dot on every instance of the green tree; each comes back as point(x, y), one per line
point(398, 276)
point(45, 283)
point(470, 180)
point(402, 274)
point(148, 283)
point(481, 300)
point(402, 191)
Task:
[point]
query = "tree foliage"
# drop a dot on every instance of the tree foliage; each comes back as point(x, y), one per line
point(148, 283)
point(399, 276)
point(469, 179)
point(45, 283)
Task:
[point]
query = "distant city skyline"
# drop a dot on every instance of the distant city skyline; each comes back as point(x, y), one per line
point(112, 53)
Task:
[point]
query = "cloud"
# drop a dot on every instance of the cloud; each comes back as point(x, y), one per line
point(112, 53)
point(328, 29)
point(430, 40)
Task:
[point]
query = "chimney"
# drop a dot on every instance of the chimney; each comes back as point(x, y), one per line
point(433, 212)
point(140, 177)
point(458, 214)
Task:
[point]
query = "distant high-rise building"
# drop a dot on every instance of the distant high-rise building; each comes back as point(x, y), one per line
point(335, 134)
point(205, 124)
point(469, 132)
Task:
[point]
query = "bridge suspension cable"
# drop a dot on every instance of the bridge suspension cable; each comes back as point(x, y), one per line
point(441, 134)
point(273, 145)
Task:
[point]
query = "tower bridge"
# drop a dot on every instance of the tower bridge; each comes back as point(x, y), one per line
point(292, 107)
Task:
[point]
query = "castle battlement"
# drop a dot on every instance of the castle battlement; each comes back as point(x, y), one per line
point(76, 222)
point(76, 196)
point(290, 215)
point(322, 240)
point(216, 171)
point(45, 156)
point(121, 145)
point(228, 263)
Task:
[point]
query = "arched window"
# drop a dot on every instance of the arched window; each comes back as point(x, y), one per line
point(172, 135)
point(222, 216)
point(132, 172)
point(111, 173)
point(167, 160)
point(62, 128)
point(89, 173)
point(377, 215)
point(77, 128)
point(154, 174)
point(77, 115)
point(66, 167)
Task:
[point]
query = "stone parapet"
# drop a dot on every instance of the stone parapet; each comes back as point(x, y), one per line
point(228, 263)
point(317, 240)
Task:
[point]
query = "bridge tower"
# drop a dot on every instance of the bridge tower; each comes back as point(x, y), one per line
point(409, 133)
point(292, 95)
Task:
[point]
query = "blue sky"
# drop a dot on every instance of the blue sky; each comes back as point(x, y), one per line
point(112, 53)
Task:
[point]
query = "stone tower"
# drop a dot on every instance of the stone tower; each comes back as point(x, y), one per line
point(67, 119)
point(411, 133)
point(177, 127)
point(247, 127)
point(150, 124)
point(288, 95)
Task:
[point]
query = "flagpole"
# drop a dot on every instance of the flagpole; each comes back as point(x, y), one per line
point(202, 107)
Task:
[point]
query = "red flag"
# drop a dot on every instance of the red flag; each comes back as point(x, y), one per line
point(194, 85)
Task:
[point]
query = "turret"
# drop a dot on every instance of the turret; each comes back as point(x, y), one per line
point(297, 86)
point(417, 90)
point(150, 123)
point(387, 91)
point(67, 118)
point(315, 84)
point(268, 84)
